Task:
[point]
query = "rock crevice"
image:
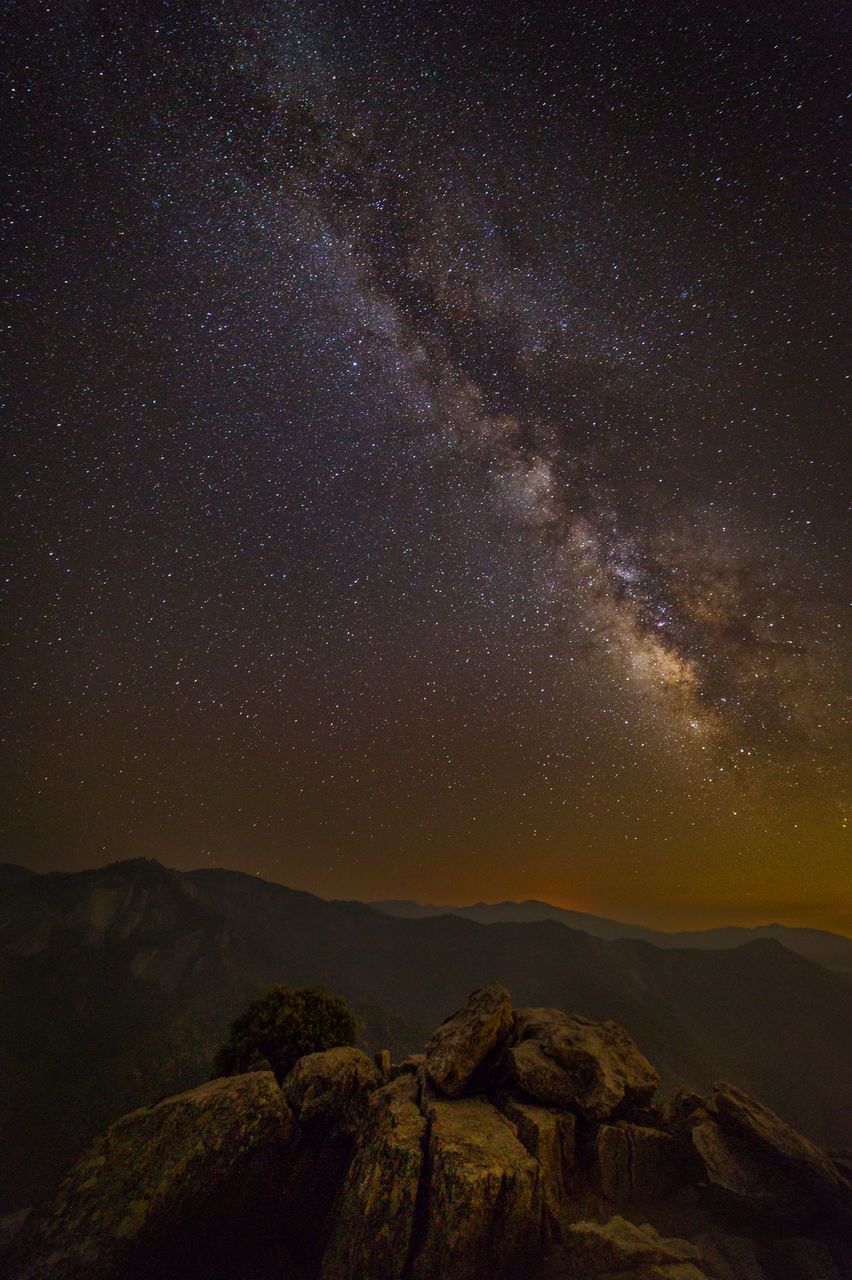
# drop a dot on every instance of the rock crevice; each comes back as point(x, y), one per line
point(420, 1211)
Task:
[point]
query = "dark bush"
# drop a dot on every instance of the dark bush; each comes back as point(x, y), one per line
point(282, 1027)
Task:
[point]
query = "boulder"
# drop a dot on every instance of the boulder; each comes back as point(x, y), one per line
point(539, 1075)
point(374, 1225)
point(620, 1248)
point(483, 1205)
point(568, 1060)
point(168, 1190)
point(331, 1088)
point(464, 1041)
point(633, 1162)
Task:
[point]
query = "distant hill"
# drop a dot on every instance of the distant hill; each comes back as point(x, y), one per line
point(117, 985)
point(831, 950)
point(11, 873)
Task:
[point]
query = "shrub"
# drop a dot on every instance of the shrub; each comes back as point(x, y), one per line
point(282, 1027)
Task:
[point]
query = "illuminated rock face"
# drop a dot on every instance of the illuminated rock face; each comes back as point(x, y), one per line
point(543, 1157)
point(166, 1182)
point(464, 1042)
point(592, 1067)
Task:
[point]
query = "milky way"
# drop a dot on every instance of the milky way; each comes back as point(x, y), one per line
point(427, 451)
point(680, 601)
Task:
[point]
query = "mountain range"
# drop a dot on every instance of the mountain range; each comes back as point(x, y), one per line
point(117, 985)
point(829, 949)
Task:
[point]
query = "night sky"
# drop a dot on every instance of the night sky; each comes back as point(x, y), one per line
point(425, 457)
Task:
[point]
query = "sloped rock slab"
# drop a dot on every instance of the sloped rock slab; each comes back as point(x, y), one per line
point(567, 1060)
point(168, 1189)
point(755, 1164)
point(799, 1159)
point(741, 1181)
point(466, 1039)
point(745, 1115)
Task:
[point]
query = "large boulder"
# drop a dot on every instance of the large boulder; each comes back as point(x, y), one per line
point(539, 1075)
point(483, 1205)
point(374, 1225)
point(168, 1190)
point(466, 1039)
point(567, 1060)
point(741, 1181)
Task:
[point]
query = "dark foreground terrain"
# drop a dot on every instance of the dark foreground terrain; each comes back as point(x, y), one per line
point(117, 985)
point(524, 1144)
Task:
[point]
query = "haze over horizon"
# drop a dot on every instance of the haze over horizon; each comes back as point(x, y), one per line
point(427, 450)
point(709, 924)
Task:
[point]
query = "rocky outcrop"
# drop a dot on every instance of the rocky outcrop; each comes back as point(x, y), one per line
point(520, 1147)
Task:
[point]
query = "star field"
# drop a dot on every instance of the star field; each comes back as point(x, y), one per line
point(426, 451)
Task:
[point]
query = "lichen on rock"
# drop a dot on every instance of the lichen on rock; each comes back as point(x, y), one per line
point(188, 1167)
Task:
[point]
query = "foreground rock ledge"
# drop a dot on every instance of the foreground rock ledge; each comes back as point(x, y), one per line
point(521, 1146)
point(182, 1178)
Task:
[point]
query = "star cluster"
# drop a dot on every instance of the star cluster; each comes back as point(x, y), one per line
point(426, 442)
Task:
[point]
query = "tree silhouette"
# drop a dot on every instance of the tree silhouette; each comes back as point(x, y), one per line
point(282, 1027)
